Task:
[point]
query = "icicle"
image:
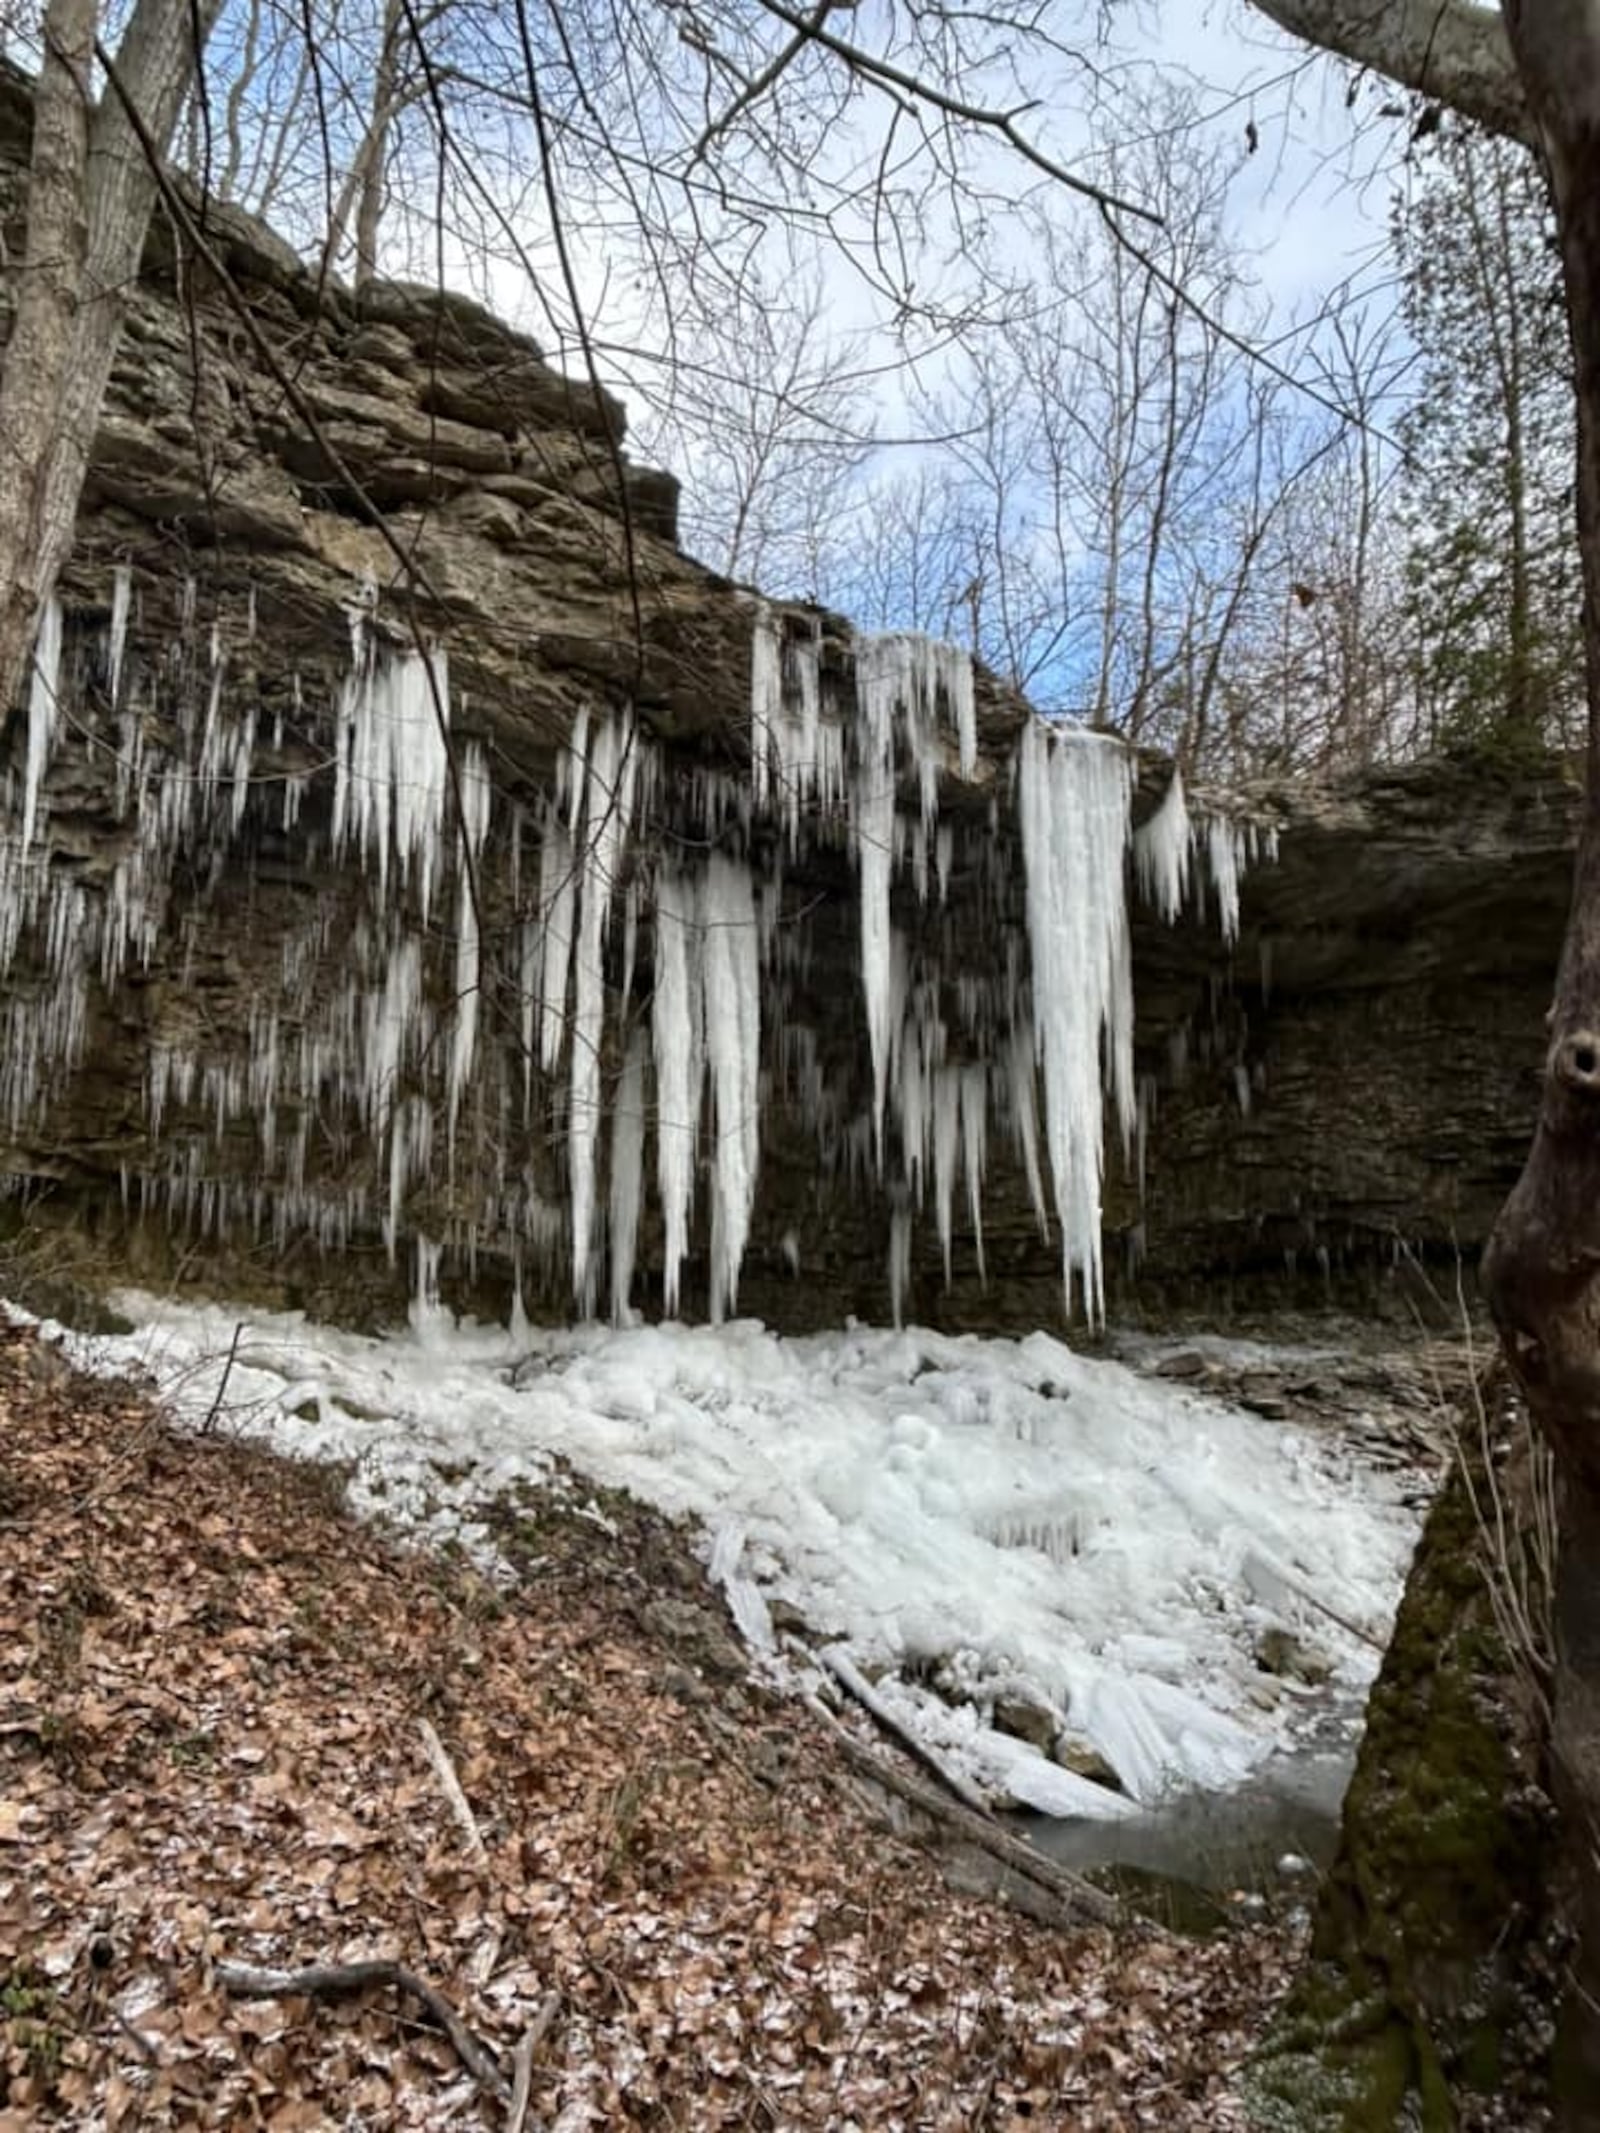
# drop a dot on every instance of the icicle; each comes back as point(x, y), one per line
point(557, 895)
point(675, 1031)
point(425, 1304)
point(1025, 1121)
point(1223, 851)
point(607, 806)
point(531, 941)
point(517, 1325)
point(244, 741)
point(954, 671)
point(627, 1175)
point(574, 768)
point(43, 704)
point(475, 798)
point(796, 755)
point(946, 1140)
point(1161, 852)
point(974, 1119)
point(880, 679)
point(766, 706)
point(912, 1102)
point(1075, 791)
point(732, 979)
point(121, 599)
point(392, 773)
point(391, 1014)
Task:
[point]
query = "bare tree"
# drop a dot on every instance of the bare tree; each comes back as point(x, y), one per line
point(767, 413)
point(90, 193)
point(1490, 446)
point(1130, 518)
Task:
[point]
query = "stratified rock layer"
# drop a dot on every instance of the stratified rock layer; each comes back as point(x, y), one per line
point(1339, 1097)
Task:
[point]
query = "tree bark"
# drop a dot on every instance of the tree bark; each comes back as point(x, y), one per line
point(1534, 74)
point(375, 148)
point(1542, 1269)
point(90, 193)
point(1447, 49)
point(49, 301)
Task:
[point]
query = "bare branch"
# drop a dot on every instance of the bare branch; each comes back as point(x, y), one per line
point(1003, 123)
point(325, 1981)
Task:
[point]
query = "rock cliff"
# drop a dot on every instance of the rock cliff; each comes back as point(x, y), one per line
point(297, 993)
point(1347, 1099)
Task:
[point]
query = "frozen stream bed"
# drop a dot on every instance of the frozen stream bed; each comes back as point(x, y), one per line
point(992, 1530)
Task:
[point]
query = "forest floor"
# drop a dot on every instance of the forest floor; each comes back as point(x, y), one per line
point(231, 1717)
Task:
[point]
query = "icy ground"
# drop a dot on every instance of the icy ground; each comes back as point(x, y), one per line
point(1005, 1518)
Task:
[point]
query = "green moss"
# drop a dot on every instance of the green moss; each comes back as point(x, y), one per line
point(1426, 1919)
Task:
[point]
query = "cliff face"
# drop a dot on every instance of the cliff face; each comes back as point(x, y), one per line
point(295, 992)
point(1386, 1004)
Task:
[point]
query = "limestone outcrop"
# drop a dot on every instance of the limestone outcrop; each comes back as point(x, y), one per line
point(1345, 1102)
point(283, 1005)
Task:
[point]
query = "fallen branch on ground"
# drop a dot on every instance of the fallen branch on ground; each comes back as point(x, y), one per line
point(450, 1785)
point(851, 1679)
point(522, 2061)
point(1302, 1591)
point(331, 1981)
point(1077, 1896)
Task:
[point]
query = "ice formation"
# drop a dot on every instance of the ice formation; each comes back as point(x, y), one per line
point(627, 1174)
point(475, 800)
point(546, 1023)
point(1162, 851)
point(393, 762)
point(121, 601)
point(677, 1023)
point(1004, 1517)
point(1075, 797)
point(732, 979)
point(44, 702)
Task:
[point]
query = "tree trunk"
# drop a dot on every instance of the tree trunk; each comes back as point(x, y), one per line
point(375, 149)
point(49, 304)
point(1448, 49)
point(90, 193)
point(1542, 1269)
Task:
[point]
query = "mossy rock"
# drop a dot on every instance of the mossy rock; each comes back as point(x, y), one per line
point(1425, 1982)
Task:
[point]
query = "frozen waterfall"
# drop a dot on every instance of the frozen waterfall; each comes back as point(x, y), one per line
point(553, 1021)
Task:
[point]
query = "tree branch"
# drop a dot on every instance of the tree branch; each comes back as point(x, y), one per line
point(327, 1981)
point(1449, 49)
point(1003, 123)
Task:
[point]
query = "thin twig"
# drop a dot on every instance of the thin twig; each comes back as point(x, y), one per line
point(522, 2062)
point(227, 1372)
point(1004, 123)
point(329, 1981)
point(146, 2047)
point(450, 1785)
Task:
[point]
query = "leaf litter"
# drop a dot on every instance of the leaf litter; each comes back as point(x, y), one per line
point(661, 1886)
